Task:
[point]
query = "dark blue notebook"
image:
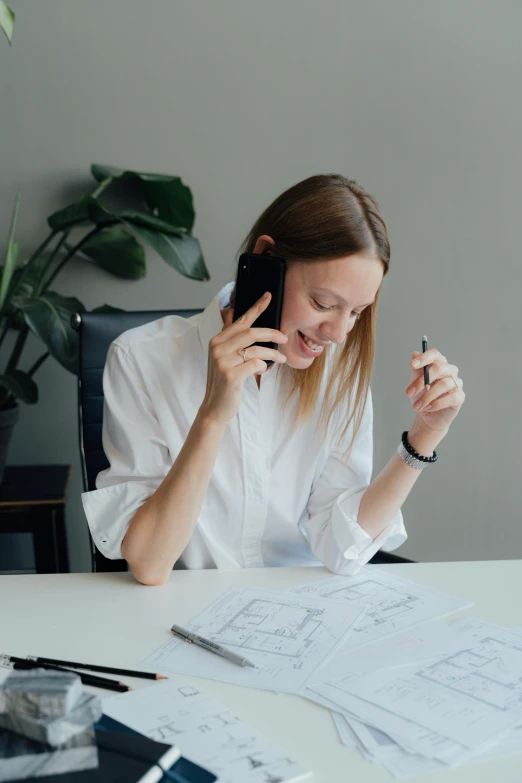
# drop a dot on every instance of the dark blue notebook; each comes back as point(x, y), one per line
point(125, 756)
point(182, 771)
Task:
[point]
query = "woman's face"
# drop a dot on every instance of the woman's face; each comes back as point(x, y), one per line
point(322, 302)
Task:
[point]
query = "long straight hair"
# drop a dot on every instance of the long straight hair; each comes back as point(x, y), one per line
point(325, 217)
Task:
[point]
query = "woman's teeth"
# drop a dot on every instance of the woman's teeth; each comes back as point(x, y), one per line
point(310, 344)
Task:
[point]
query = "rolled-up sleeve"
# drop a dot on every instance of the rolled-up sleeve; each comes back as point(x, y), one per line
point(135, 448)
point(330, 522)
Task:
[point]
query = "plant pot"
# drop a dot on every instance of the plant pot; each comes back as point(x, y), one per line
point(8, 419)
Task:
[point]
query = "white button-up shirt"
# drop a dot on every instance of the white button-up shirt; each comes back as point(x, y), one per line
point(278, 496)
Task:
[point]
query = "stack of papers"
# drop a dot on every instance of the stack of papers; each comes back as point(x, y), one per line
point(417, 694)
point(413, 692)
point(456, 709)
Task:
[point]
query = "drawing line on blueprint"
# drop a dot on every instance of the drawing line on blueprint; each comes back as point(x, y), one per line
point(206, 724)
point(270, 626)
point(382, 610)
point(482, 673)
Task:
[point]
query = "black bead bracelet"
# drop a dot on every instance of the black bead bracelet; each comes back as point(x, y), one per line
point(416, 454)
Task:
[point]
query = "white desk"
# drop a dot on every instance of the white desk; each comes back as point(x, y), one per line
point(110, 619)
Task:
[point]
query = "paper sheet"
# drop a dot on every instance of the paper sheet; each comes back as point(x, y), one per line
point(470, 696)
point(392, 603)
point(374, 741)
point(378, 747)
point(344, 730)
point(286, 636)
point(404, 760)
point(206, 732)
point(421, 643)
point(408, 734)
point(403, 765)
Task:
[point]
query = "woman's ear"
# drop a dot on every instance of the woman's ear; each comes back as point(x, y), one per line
point(264, 245)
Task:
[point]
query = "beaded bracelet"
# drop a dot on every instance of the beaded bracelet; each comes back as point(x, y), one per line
point(409, 448)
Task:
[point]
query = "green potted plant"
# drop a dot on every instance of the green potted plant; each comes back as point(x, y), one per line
point(110, 239)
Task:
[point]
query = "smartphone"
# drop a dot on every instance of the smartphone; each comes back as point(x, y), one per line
point(255, 275)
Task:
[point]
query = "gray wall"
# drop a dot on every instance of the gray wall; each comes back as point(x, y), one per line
point(419, 101)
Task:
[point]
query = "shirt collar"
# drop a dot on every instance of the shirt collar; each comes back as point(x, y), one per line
point(211, 322)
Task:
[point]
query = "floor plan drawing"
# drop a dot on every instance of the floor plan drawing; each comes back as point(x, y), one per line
point(471, 696)
point(392, 604)
point(287, 637)
point(271, 626)
point(387, 603)
point(491, 673)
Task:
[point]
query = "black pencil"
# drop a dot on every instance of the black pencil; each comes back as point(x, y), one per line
point(87, 679)
point(12, 661)
point(426, 366)
point(96, 668)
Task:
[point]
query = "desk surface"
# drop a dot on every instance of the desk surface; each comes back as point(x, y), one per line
point(111, 619)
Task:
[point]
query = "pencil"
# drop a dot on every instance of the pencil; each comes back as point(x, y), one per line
point(96, 668)
point(426, 367)
point(12, 661)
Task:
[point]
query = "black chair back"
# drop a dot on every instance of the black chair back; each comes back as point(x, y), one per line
point(96, 332)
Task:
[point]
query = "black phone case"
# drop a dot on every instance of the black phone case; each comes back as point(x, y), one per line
point(255, 275)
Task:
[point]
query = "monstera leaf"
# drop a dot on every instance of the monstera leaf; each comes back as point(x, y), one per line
point(116, 251)
point(165, 195)
point(171, 242)
point(49, 318)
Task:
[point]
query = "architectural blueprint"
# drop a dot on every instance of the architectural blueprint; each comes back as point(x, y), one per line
point(471, 696)
point(418, 643)
point(392, 603)
point(286, 636)
point(206, 732)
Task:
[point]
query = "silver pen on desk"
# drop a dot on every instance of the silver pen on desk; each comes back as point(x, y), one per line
point(211, 646)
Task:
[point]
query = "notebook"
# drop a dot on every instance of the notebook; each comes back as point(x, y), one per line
point(183, 768)
point(132, 759)
point(122, 760)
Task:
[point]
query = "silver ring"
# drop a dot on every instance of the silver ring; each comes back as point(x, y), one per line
point(242, 353)
point(455, 382)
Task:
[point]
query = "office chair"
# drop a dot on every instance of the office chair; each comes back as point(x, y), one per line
point(96, 332)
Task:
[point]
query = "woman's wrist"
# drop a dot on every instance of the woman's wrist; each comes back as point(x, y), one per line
point(208, 421)
point(423, 439)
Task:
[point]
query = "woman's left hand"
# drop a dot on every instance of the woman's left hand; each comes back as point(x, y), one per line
point(437, 407)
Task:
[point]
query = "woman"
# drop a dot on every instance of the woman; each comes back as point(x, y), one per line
point(218, 460)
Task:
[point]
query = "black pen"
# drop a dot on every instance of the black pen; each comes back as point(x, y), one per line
point(97, 668)
point(426, 366)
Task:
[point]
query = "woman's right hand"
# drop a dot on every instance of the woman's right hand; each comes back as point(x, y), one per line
point(226, 368)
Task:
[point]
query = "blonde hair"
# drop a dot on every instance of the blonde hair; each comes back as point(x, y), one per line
point(323, 217)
